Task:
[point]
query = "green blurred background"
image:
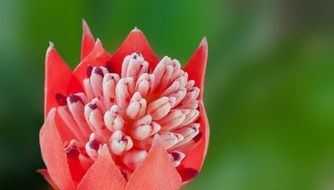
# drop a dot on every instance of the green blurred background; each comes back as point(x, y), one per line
point(269, 85)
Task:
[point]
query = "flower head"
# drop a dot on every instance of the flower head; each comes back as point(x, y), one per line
point(123, 121)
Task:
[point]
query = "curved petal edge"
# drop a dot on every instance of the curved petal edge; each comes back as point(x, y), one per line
point(57, 76)
point(195, 158)
point(45, 174)
point(196, 65)
point(53, 153)
point(88, 41)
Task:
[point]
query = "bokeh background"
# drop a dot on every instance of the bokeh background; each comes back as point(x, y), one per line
point(269, 85)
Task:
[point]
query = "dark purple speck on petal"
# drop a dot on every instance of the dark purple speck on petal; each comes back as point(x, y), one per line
point(94, 144)
point(198, 137)
point(188, 174)
point(92, 106)
point(109, 66)
point(176, 156)
point(72, 152)
point(99, 71)
point(61, 99)
point(74, 98)
point(89, 70)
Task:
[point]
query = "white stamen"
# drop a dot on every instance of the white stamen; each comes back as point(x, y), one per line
point(134, 157)
point(159, 108)
point(92, 147)
point(144, 127)
point(164, 81)
point(88, 109)
point(177, 157)
point(191, 105)
point(133, 66)
point(179, 75)
point(137, 106)
point(179, 96)
point(109, 85)
point(113, 120)
point(76, 107)
point(96, 80)
point(124, 89)
point(172, 88)
point(188, 132)
point(172, 120)
point(170, 139)
point(145, 84)
point(191, 96)
point(190, 84)
point(88, 89)
point(159, 70)
point(120, 142)
point(191, 116)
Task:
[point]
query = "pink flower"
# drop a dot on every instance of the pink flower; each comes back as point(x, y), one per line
point(123, 121)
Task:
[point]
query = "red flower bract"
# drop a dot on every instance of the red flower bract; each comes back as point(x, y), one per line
point(123, 121)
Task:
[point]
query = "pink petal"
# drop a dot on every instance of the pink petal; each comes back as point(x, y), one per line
point(88, 41)
point(98, 57)
point(53, 153)
point(64, 131)
point(103, 174)
point(57, 75)
point(45, 174)
point(155, 172)
point(197, 65)
point(134, 42)
point(195, 157)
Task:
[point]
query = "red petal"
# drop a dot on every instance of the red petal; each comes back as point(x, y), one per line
point(103, 174)
point(98, 57)
point(76, 169)
point(155, 172)
point(195, 157)
point(134, 42)
point(197, 65)
point(53, 153)
point(57, 75)
point(88, 41)
point(45, 174)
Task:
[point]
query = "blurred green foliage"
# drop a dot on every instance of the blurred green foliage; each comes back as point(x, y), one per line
point(269, 84)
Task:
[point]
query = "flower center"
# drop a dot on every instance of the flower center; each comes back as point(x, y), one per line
point(125, 111)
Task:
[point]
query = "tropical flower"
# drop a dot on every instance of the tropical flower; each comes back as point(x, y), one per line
point(123, 121)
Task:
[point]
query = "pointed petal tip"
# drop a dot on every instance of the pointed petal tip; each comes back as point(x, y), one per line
point(84, 23)
point(51, 44)
point(103, 174)
point(104, 150)
point(135, 29)
point(40, 171)
point(85, 27)
point(204, 42)
point(98, 42)
point(51, 47)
